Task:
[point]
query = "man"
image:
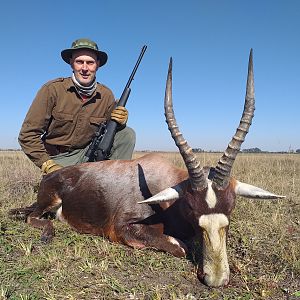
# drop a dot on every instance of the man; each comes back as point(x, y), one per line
point(66, 113)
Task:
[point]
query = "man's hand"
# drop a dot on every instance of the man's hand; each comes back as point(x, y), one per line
point(50, 166)
point(120, 115)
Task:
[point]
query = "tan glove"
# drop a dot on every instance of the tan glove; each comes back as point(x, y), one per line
point(50, 166)
point(120, 115)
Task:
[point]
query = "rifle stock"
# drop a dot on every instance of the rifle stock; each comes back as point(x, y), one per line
point(102, 143)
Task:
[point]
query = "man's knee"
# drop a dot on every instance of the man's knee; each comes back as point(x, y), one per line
point(124, 144)
point(126, 135)
point(130, 133)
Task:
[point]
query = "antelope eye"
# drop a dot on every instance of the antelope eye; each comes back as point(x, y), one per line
point(188, 205)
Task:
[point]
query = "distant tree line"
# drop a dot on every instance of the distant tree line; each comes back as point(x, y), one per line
point(198, 150)
point(250, 150)
point(257, 150)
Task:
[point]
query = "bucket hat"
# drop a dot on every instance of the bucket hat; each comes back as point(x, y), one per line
point(84, 44)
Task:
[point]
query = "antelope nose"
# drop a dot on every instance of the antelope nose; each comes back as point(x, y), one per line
point(215, 282)
point(225, 282)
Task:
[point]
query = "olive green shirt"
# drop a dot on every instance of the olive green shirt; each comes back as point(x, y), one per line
point(58, 116)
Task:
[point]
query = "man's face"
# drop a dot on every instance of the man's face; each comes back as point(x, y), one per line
point(85, 65)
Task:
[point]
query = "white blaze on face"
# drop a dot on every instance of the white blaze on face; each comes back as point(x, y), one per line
point(59, 215)
point(57, 208)
point(210, 198)
point(215, 262)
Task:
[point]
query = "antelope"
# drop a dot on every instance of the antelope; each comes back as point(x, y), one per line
point(150, 203)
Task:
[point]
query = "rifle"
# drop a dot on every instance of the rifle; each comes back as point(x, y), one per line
point(101, 144)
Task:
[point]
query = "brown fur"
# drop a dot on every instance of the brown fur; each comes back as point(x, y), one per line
point(101, 199)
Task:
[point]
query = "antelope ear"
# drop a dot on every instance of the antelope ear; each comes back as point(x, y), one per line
point(251, 191)
point(172, 193)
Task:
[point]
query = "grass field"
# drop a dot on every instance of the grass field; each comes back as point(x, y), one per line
point(263, 245)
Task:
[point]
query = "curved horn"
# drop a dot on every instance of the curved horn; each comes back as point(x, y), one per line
point(225, 164)
point(197, 178)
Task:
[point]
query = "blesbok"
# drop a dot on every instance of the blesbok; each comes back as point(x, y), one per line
point(148, 202)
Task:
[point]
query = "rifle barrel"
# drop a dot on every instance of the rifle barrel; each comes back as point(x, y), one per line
point(136, 66)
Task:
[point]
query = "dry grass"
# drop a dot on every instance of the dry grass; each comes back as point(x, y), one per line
point(263, 248)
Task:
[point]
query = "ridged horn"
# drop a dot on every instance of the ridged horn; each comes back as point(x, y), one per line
point(196, 175)
point(225, 164)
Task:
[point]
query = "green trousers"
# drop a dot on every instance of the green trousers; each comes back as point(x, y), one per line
point(122, 148)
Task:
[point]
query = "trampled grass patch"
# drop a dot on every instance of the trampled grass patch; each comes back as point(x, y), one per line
point(263, 244)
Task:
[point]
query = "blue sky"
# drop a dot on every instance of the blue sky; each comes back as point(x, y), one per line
point(209, 42)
